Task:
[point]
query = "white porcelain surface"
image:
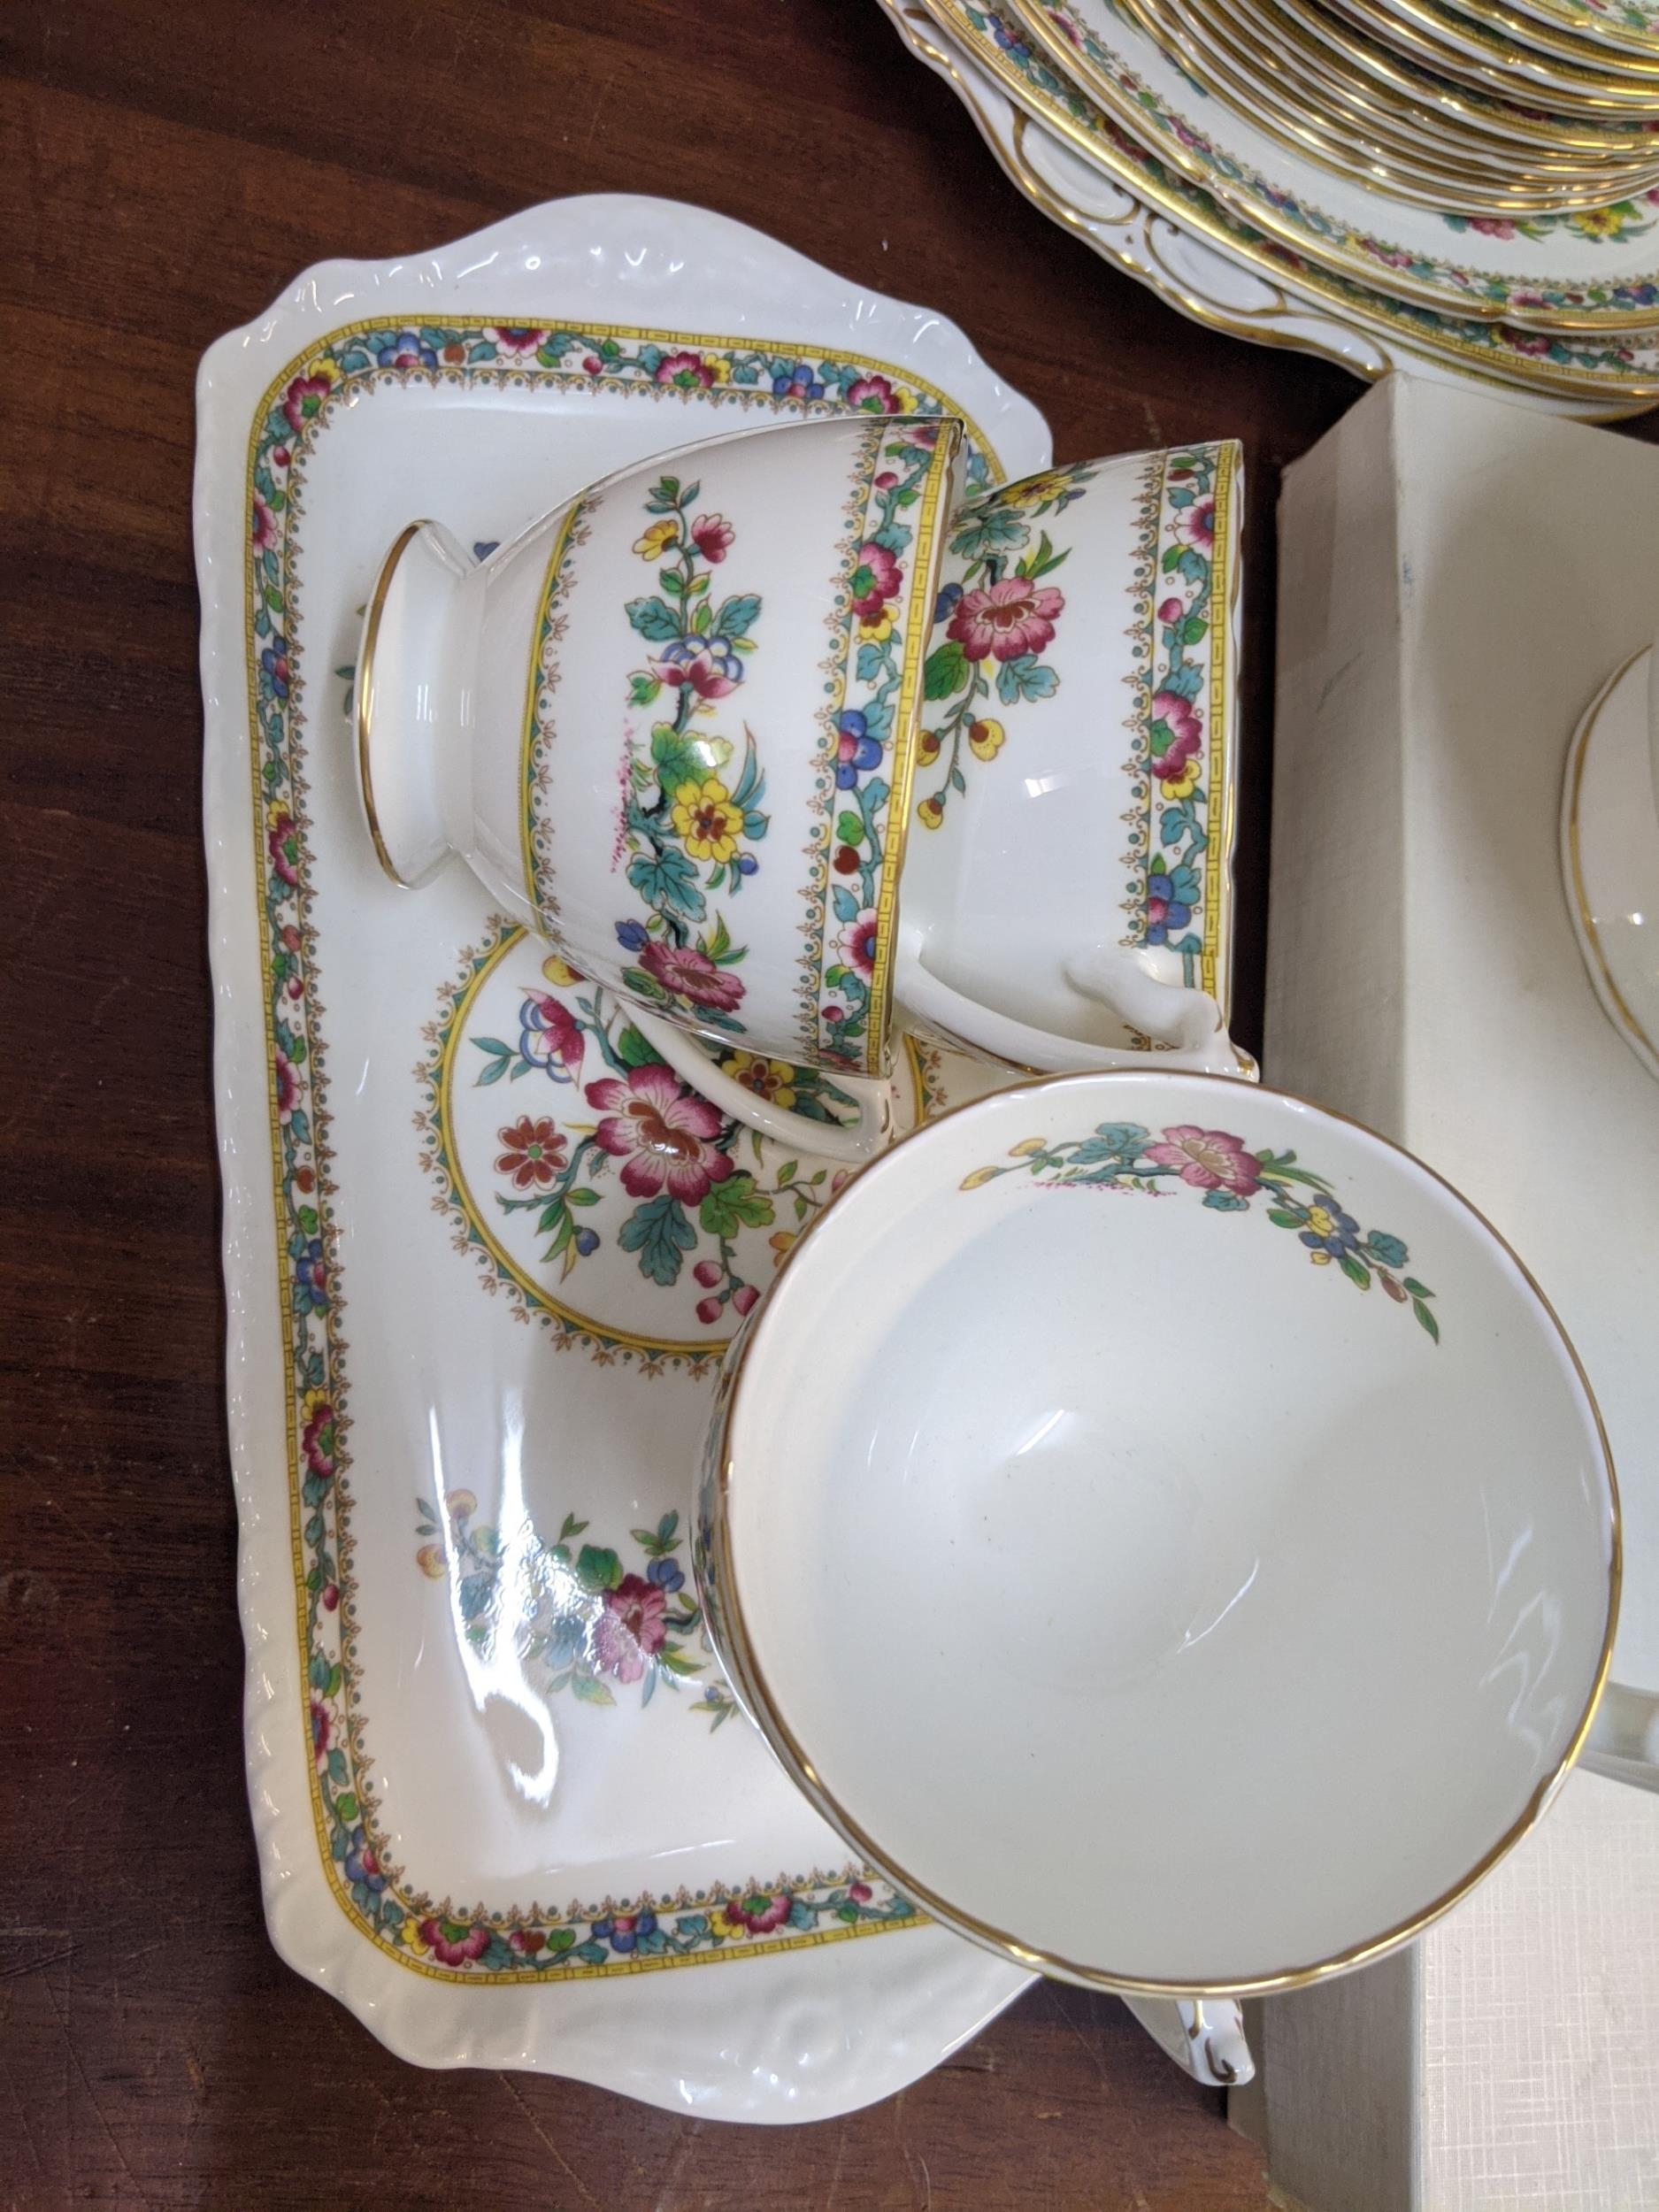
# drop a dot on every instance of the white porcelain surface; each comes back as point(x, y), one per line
point(1286, 1495)
point(494, 1793)
point(1072, 807)
point(1265, 306)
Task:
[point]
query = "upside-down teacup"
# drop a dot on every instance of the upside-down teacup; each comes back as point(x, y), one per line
point(671, 728)
point(1185, 1447)
point(1065, 879)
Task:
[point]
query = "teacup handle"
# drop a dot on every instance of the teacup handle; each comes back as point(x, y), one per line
point(851, 1142)
point(1623, 1742)
point(1188, 1021)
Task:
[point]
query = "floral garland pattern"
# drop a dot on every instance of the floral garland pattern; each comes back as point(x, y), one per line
point(849, 982)
point(1177, 684)
point(351, 363)
point(1622, 219)
point(1124, 1157)
point(659, 1174)
point(995, 616)
point(1011, 56)
point(590, 1622)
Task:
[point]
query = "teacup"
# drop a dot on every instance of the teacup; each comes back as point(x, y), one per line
point(1066, 872)
point(672, 727)
point(1184, 1446)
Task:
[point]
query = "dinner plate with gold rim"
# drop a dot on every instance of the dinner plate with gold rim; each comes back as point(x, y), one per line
point(1306, 116)
point(1462, 46)
point(1210, 171)
point(1486, 30)
point(1355, 56)
point(1317, 53)
point(1190, 271)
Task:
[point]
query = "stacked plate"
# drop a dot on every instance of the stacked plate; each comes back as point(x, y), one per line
point(1469, 190)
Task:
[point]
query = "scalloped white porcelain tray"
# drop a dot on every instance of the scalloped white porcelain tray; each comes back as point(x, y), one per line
point(495, 1789)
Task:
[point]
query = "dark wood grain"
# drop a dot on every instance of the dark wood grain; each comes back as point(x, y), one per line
point(170, 165)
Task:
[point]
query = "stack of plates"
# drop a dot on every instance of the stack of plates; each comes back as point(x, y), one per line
point(1468, 190)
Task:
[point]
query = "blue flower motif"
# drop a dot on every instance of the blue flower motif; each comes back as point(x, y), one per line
point(482, 548)
point(587, 1240)
point(1344, 1232)
point(1164, 911)
point(1011, 42)
point(683, 650)
point(405, 350)
point(856, 751)
point(623, 1931)
point(1389, 1251)
point(747, 863)
point(632, 936)
point(945, 605)
point(665, 1575)
point(274, 661)
point(310, 1278)
point(797, 383)
point(360, 1862)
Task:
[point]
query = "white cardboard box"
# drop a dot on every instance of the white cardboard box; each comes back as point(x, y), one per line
point(1457, 577)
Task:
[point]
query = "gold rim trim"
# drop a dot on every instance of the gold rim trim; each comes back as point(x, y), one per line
point(1611, 400)
point(1303, 25)
point(1416, 174)
point(757, 1696)
point(1054, 118)
point(365, 697)
point(1589, 937)
point(1420, 30)
point(907, 717)
point(1586, 23)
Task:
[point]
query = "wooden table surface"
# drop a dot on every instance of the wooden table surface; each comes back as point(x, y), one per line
point(170, 166)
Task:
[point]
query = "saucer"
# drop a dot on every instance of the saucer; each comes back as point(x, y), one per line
point(1609, 857)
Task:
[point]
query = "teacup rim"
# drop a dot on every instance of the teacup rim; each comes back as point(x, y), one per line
point(759, 1701)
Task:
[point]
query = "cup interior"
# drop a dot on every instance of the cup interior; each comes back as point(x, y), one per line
point(1182, 1582)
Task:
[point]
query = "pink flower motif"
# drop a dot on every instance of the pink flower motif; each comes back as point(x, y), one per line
point(550, 1035)
point(860, 1893)
point(663, 1133)
point(456, 1948)
point(1530, 341)
point(304, 399)
point(317, 1441)
point(758, 1914)
point(886, 480)
point(711, 534)
point(265, 525)
point(1181, 720)
point(745, 1297)
point(1208, 1158)
point(924, 435)
point(858, 942)
point(322, 1730)
point(690, 974)
point(1197, 523)
point(631, 1629)
point(279, 457)
point(1492, 227)
point(1171, 610)
point(684, 371)
point(1008, 619)
point(517, 337)
point(706, 673)
point(874, 395)
point(875, 580)
point(591, 364)
point(288, 1086)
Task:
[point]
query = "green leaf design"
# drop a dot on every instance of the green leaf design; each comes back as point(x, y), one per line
point(660, 1234)
point(736, 617)
point(1426, 1318)
point(1280, 1219)
point(653, 620)
point(631, 1049)
point(726, 1206)
point(1356, 1272)
point(590, 1689)
point(945, 670)
point(597, 1568)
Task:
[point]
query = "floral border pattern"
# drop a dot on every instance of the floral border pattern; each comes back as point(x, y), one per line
point(1625, 219)
point(435, 1937)
point(1178, 725)
point(1501, 348)
point(1122, 1155)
